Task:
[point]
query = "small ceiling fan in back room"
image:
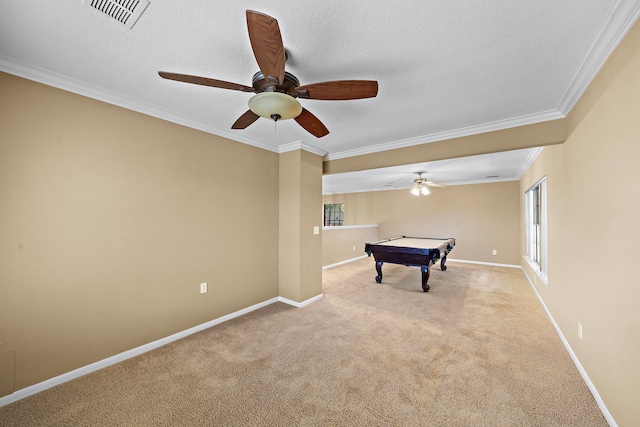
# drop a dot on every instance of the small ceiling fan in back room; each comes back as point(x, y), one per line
point(420, 185)
point(277, 90)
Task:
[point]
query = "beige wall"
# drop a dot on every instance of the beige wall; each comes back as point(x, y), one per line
point(358, 207)
point(289, 226)
point(535, 135)
point(481, 217)
point(593, 216)
point(346, 243)
point(110, 220)
point(310, 243)
point(593, 212)
point(300, 248)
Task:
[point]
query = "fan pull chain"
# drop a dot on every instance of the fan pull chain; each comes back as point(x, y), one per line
point(275, 118)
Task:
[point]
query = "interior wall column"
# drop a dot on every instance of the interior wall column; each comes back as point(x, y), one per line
point(300, 244)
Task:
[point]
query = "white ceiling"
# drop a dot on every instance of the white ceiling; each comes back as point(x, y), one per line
point(445, 68)
point(496, 167)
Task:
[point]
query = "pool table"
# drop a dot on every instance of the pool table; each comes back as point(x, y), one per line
point(420, 252)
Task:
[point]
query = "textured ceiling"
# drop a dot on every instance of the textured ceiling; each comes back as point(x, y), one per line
point(444, 68)
point(496, 167)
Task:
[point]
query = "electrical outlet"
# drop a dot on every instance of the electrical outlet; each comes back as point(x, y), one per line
point(203, 287)
point(354, 248)
point(495, 252)
point(580, 330)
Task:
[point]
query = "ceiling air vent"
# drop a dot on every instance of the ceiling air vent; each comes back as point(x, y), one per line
point(126, 12)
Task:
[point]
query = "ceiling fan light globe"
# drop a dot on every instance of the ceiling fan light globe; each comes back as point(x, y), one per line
point(415, 191)
point(269, 104)
point(424, 191)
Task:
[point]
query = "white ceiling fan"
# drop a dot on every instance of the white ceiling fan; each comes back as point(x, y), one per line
point(421, 185)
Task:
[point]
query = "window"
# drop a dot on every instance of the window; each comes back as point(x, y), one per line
point(536, 223)
point(333, 214)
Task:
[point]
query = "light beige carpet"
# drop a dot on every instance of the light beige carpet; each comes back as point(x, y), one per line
point(476, 350)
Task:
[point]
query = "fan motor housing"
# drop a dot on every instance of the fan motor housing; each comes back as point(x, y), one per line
point(288, 86)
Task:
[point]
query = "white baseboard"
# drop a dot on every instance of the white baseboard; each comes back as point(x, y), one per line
point(300, 304)
point(326, 267)
point(483, 263)
point(605, 411)
point(583, 373)
point(52, 382)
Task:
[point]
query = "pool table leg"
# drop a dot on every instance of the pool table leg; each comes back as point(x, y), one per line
point(379, 270)
point(442, 261)
point(425, 278)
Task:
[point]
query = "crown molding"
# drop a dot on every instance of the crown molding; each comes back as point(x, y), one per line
point(618, 24)
point(78, 87)
point(300, 145)
point(408, 187)
point(457, 133)
point(533, 155)
point(366, 190)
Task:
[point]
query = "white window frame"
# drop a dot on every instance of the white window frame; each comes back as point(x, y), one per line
point(333, 215)
point(535, 200)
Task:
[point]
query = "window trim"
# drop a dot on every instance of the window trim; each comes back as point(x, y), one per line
point(333, 221)
point(536, 232)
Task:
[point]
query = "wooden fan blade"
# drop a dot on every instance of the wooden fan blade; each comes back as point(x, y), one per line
point(245, 120)
point(204, 81)
point(339, 90)
point(311, 124)
point(266, 42)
